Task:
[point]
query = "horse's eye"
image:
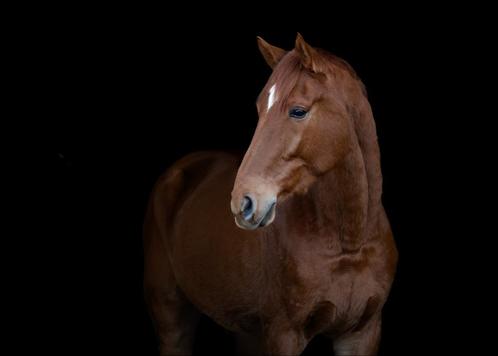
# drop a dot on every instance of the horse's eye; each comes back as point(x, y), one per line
point(298, 112)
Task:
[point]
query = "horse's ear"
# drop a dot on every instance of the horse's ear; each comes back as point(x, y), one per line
point(309, 56)
point(271, 54)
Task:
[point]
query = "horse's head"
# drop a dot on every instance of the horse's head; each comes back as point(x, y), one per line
point(303, 131)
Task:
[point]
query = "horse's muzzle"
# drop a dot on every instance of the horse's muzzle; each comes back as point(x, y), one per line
point(252, 213)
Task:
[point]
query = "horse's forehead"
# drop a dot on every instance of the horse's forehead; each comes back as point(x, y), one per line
point(276, 92)
point(288, 79)
point(277, 88)
point(272, 97)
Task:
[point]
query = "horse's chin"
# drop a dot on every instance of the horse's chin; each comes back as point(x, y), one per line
point(265, 220)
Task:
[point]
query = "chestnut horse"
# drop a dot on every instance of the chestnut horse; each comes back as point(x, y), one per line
point(311, 250)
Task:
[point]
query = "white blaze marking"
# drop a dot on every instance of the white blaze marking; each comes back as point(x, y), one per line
point(271, 97)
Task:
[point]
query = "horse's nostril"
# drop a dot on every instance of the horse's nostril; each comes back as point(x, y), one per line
point(247, 208)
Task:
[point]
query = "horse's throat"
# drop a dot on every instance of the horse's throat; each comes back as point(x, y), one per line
point(335, 209)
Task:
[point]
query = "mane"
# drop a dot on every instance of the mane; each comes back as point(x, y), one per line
point(339, 62)
point(366, 133)
point(342, 64)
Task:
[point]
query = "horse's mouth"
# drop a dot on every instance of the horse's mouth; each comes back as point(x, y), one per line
point(266, 219)
point(268, 216)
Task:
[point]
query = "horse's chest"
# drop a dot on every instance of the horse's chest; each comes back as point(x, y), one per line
point(315, 293)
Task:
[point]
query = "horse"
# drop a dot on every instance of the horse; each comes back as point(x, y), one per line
point(288, 243)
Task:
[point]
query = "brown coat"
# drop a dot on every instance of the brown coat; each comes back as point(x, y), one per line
point(315, 254)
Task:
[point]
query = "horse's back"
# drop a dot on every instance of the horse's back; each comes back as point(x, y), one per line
point(189, 219)
point(179, 182)
point(170, 307)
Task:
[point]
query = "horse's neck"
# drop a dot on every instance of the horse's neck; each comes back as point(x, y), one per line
point(340, 200)
point(341, 210)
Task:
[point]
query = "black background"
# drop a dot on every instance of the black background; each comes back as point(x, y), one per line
point(120, 101)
